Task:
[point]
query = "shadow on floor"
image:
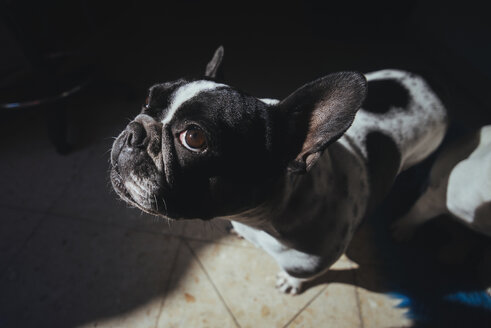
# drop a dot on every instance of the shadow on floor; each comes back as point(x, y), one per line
point(441, 275)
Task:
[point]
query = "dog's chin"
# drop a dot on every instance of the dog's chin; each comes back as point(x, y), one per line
point(144, 196)
point(149, 197)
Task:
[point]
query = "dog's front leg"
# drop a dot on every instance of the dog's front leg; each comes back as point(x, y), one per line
point(296, 267)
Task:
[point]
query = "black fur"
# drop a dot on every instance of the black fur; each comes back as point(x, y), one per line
point(249, 144)
point(319, 113)
point(384, 95)
point(381, 149)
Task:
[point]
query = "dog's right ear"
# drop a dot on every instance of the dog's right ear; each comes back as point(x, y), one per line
point(213, 69)
point(317, 114)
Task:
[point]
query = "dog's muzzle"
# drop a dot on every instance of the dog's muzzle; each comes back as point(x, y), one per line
point(134, 174)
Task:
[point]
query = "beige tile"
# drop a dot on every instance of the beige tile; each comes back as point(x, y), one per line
point(191, 300)
point(75, 273)
point(215, 230)
point(336, 305)
point(378, 309)
point(246, 279)
point(206, 230)
point(143, 316)
point(344, 263)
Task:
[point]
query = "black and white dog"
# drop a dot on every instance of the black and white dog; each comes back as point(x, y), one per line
point(294, 176)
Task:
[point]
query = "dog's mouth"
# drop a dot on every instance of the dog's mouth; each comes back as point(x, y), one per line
point(141, 193)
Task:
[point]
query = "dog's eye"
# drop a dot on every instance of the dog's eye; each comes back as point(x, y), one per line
point(147, 100)
point(193, 138)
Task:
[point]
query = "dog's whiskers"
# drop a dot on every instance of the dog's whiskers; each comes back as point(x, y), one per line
point(156, 203)
point(108, 151)
point(165, 204)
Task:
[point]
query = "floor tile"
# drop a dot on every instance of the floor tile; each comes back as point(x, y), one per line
point(362, 247)
point(206, 230)
point(336, 305)
point(191, 300)
point(33, 175)
point(91, 197)
point(245, 277)
point(378, 310)
point(144, 316)
point(15, 229)
point(73, 273)
point(216, 230)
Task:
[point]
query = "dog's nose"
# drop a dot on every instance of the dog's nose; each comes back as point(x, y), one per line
point(136, 135)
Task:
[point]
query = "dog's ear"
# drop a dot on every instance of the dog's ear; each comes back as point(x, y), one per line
point(213, 69)
point(317, 114)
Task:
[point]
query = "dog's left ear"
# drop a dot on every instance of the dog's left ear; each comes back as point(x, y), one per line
point(213, 69)
point(317, 114)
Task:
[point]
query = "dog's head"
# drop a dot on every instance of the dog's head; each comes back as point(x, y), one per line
point(201, 149)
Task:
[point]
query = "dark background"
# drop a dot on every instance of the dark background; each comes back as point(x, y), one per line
point(115, 50)
point(272, 48)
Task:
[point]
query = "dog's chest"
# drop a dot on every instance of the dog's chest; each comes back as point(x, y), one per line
point(326, 204)
point(319, 211)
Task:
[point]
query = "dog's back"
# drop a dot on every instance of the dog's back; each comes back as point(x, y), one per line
point(401, 122)
point(402, 106)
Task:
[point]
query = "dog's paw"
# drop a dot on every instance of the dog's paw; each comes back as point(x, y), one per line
point(401, 231)
point(288, 284)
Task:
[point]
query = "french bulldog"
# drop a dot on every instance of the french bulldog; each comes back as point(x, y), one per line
point(295, 176)
point(460, 185)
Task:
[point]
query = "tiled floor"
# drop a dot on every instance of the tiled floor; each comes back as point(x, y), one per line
point(72, 255)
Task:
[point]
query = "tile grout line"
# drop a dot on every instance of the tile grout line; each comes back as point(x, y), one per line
point(211, 281)
point(21, 248)
point(166, 289)
point(117, 225)
point(86, 219)
point(358, 302)
point(304, 307)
